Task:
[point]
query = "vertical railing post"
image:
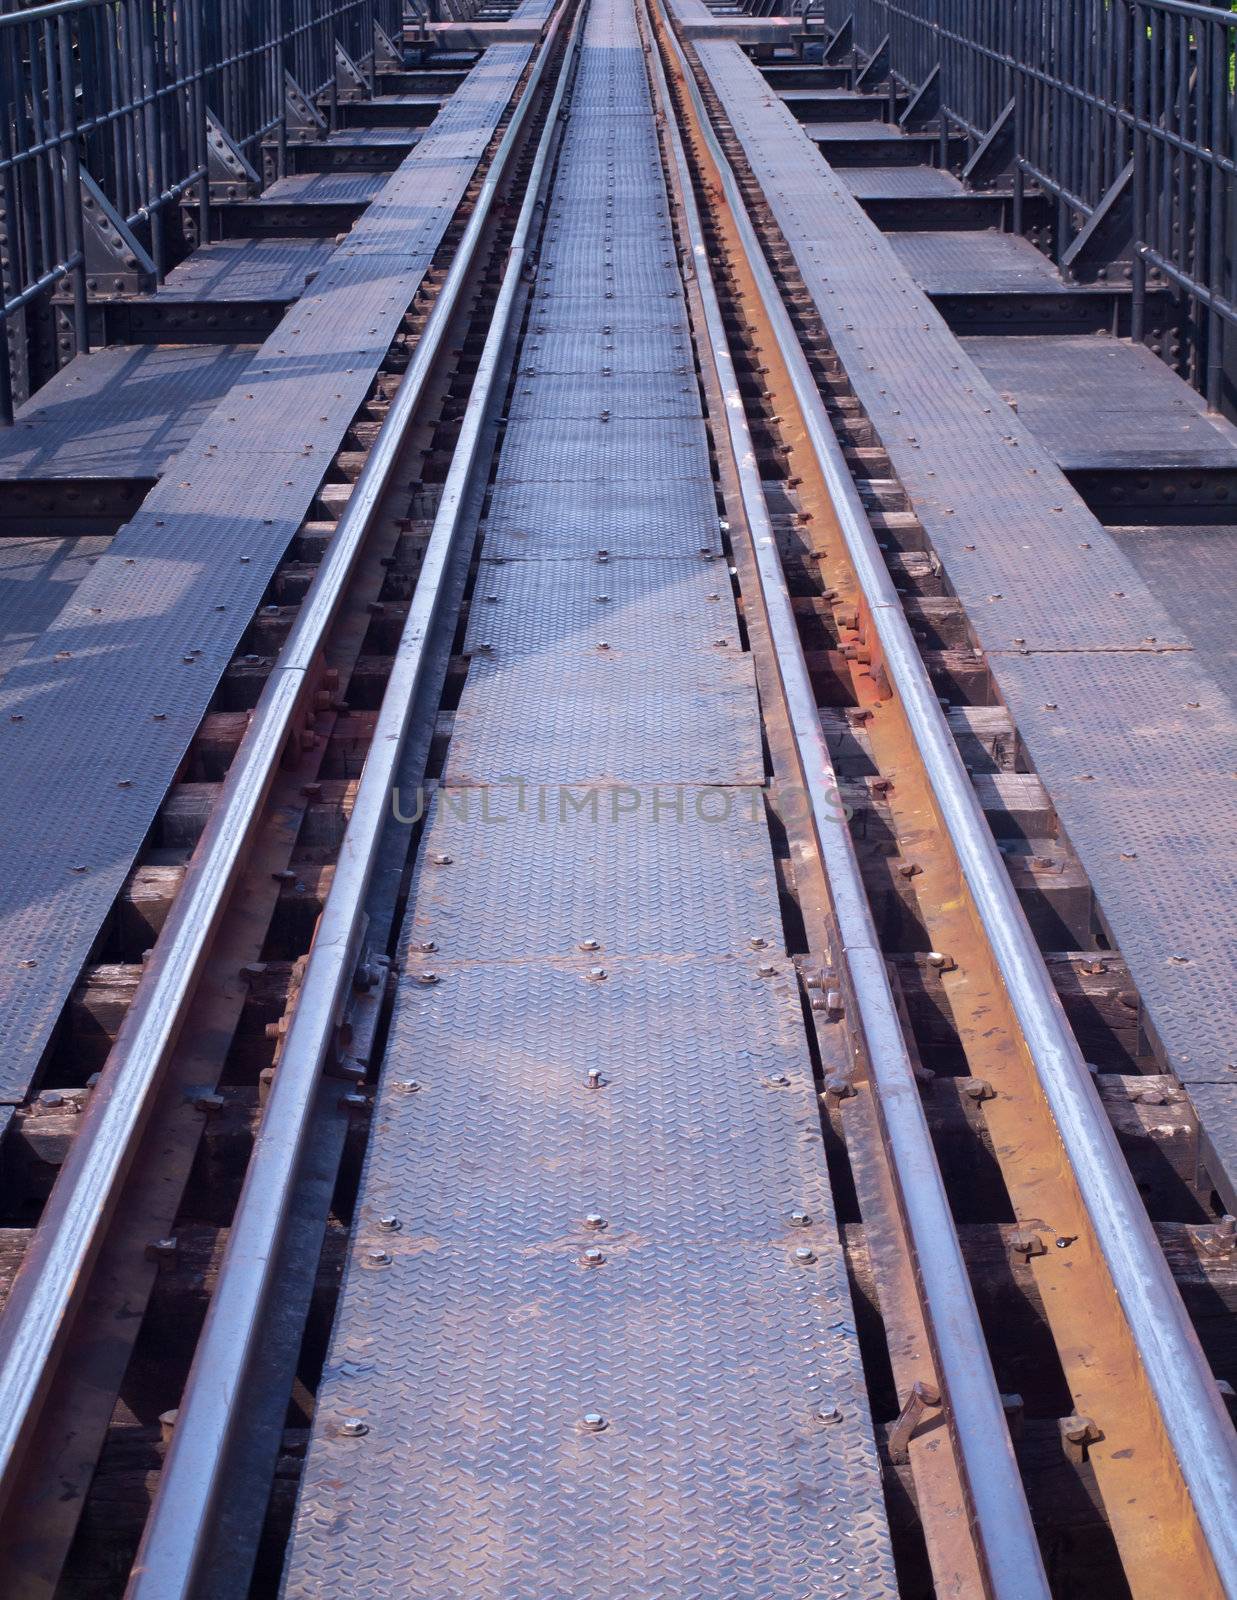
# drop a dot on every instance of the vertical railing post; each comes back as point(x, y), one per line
point(1139, 46)
point(75, 239)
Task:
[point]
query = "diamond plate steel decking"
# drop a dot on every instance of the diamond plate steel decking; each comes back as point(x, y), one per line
point(629, 928)
point(101, 708)
point(1132, 738)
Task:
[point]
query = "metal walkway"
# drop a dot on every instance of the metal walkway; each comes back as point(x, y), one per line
point(595, 1334)
point(100, 710)
point(1131, 735)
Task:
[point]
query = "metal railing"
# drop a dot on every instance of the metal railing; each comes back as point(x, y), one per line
point(1101, 97)
point(104, 108)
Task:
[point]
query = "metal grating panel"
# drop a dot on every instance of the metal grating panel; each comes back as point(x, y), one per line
point(658, 871)
point(709, 1353)
point(607, 718)
point(633, 518)
point(541, 608)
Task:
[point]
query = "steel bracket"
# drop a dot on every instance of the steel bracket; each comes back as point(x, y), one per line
point(877, 69)
point(924, 1397)
point(387, 57)
point(925, 103)
point(229, 174)
point(995, 153)
point(303, 119)
point(116, 263)
point(841, 44)
point(1106, 239)
point(350, 82)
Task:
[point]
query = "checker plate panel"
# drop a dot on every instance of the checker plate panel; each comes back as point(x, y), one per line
point(609, 718)
point(633, 518)
point(588, 450)
point(704, 1347)
point(543, 608)
point(583, 394)
point(656, 871)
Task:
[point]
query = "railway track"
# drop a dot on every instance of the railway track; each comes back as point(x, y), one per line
point(1032, 1296)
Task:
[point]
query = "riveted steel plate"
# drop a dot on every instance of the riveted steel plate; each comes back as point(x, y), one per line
point(900, 183)
point(590, 222)
point(992, 501)
point(1137, 753)
point(1193, 567)
point(634, 279)
point(978, 261)
point(310, 188)
point(708, 1353)
point(629, 518)
point(539, 608)
point(541, 871)
point(589, 394)
point(120, 412)
point(613, 311)
point(1098, 403)
point(247, 269)
point(548, 348)
point(603, 717)
point(588, 450)
point(37, 576)
point(105, 695)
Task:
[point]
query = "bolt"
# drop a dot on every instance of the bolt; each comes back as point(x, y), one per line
point(592, 1422)
point(595, 1221)
point(800, 1219)
point(409, 1086)
point(1026, 1245)
point(978, 1089)
point(766, 969)
point(51, 1097)
point(592, 1257)
point(804, 1257)
point(353, 1427)
point(378, 1258)
point(942, 962)
point(597, 974)
point(828, 1415)
point(167, 1422)
point(440, 858)
point(594, 1080)
point(427, 978)
point(589, 944)
point(388, 1224)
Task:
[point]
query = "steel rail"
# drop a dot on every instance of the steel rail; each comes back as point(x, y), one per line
point(1192, 1411)
point(177, 1531)
point(56, 1267)
point(1008, 1547)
